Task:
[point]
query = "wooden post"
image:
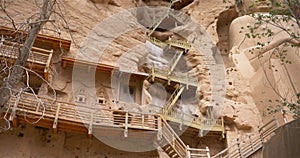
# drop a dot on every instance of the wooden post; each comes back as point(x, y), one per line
point(126, 125)
point(159, 128)
point(207, 152)
point(152, 73)
point(188, 151)
point(55, 122)
point(47, 67)
point(251, 144)
point(143, 120)
point(223, 127)
point(90, 131)
point(238, 146)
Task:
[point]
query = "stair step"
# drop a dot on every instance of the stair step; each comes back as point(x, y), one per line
point(172, 152)
point(174, 156)
point(168, 148)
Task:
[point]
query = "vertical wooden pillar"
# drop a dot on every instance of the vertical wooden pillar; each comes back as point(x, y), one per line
point(55, 122)
point(126, 125)
point(90, 130)
point(207, 152)
point(159, 128)
point(188, 151)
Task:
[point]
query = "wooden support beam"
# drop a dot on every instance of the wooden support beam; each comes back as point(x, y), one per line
point(55, 122)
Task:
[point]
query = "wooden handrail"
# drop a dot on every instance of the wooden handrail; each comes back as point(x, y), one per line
point(178, 145)
point(250, 143)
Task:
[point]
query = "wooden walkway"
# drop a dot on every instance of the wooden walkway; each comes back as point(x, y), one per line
point(64, 116)
point(70, 117)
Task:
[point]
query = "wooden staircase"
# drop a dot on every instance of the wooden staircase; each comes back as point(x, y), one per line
point(173, 99)
point(248, 145)
point(175, 61)
point(171, 143)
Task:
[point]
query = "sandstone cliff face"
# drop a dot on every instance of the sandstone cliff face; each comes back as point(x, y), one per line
point(85, 26)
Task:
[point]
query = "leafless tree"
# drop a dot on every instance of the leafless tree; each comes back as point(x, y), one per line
point(12, 74)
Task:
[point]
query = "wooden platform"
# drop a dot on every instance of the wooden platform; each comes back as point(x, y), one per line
point(182, 78)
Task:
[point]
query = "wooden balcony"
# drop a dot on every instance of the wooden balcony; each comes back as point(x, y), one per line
point(39, 59)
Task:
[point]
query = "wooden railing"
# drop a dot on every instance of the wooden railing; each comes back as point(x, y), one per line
point(90, 116)
point(249, 144)
point(179, 43)
point(183, 44)
point(31, 106)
